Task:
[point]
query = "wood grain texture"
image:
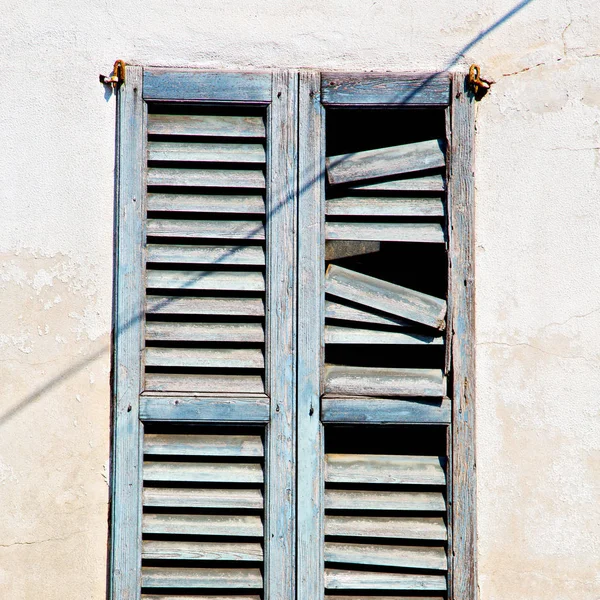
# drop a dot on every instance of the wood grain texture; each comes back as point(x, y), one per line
point(376, 381)
point(239, 281)
point(428, 233)
point(282, 195)
point(205, 409)
point(206, 126)
point(427, 183)
point(384, 206)
point(462, 238)
point(338, 579)
point(310, 337)
point(203, 444)
point(418, 89)
point(364, 596)
point(211, 178)
point(204, 332)
point(378, 500)
point(385, 469)
point(414, 557)
point(203, 498)
point(233, 230)
point(219, 358)
point(383, 295)
point(417, 528)
point(207, 203)
point(126, 468)
point(206, 255)
point(206, 152)
point(206, 383)
point(180, 550)
point(192, 84)
point(203, 472)
point(164, 577)
point(385, 410)
point(361, 314)
point(225, 525)
point(335, 334)
point(210, 305)
point(385, 162)
point(222, 597)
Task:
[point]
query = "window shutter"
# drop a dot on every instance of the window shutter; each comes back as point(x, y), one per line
point(204, 452)
point(378, 211)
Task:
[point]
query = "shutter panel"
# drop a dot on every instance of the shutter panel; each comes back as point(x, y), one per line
point(206, 394)
point(205, 253)
point(373, 255)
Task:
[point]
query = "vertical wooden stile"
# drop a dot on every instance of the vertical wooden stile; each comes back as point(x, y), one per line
point(126, 475)
point(462, 222)
point(310, 341)
point(281, 336)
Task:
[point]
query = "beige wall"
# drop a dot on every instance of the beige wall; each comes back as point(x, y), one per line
point(538, 260)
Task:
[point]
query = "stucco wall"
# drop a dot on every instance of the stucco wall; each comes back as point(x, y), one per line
point(538, 275)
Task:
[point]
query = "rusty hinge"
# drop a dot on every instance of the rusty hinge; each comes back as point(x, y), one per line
point(476, 84)
point(117, 77)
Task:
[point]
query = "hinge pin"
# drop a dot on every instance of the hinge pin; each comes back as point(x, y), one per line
point(117, 77)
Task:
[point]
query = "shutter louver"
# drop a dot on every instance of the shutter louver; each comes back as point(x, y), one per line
point(202, 525)
point(205, 254)
point(384, 526)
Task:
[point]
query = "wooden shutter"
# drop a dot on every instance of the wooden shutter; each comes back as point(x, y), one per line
point(384, 429)
point(204, 465)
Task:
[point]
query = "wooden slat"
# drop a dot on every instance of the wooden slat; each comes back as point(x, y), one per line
point(213, 384)
point(382, 206)
point(203, 498)
point(385, 162)
point(227, 597)
point(222, 358)
point(205, 409)
point(418, 528)
point(206, 255)
point(193, 84)
point(203, 445)
point(336, 249)
point(336, 310)
point(309, 433)
point(174, 305)
point(207, 203)
point(428, 183)
point(162, 577)
point(430, 233)
point(204, 332)
point(338, 579)
point(414, 557)
point(385, 410)
point(375, 381)
point(242, 281)
point(180, 550)
point(225, 525)
point(203, 472)
point(367, 596)
point(206, 125)
point(378, 500)
point(418, 89)
point(282, 203)
point(126, 469)
point(206, 152)
point(384, 469)
point(212, 178)
point(461, 190)
point(233, 230)
point(385, 296)
point(350, 335)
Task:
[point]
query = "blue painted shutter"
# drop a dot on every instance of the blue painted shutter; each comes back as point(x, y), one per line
point(204, 457)
point(374, 409)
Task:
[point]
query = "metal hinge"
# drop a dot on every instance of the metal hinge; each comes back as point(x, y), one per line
point(476, 84)
point(117, 77)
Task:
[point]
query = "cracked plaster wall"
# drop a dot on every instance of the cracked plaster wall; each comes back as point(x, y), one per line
point(538, 281)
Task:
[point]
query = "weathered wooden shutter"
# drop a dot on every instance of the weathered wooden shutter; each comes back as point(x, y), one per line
point(205, 353)
point(382, 385)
